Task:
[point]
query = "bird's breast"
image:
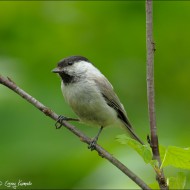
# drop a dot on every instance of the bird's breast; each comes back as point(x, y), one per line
point(88, 103)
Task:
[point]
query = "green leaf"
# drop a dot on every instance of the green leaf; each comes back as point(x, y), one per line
point(175, 156)
point(122, 139)
point(171, 155)
point(143, 150)
point(177, 182)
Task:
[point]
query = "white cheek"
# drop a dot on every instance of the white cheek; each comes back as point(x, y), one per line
point(84, 68)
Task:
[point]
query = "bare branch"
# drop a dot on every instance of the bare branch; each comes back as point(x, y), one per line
point(103, 153)
point(150, 92)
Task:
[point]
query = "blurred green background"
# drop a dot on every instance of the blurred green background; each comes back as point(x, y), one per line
point(34, 36)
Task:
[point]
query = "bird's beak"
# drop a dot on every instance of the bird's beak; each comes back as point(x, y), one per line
point(56, 70)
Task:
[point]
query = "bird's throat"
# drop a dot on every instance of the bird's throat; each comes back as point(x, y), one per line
point(67, 79)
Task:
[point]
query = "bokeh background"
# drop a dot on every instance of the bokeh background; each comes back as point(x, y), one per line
point(34, 36)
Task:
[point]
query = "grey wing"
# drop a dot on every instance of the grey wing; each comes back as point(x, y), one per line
point(113, 101)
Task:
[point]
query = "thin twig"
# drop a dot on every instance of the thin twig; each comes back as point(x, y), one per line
point(150, 92)
point(103, 153)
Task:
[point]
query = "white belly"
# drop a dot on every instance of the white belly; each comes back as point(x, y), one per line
point(88, 104)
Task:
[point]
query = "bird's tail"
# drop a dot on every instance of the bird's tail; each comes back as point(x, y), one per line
point(127, 125)
point(130, 130)
point(132, 133)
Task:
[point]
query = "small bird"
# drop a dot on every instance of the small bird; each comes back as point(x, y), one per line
point(91, 95)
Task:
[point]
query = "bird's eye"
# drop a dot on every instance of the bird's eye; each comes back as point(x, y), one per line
point(70, 63)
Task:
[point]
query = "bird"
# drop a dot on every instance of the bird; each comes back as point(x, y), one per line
point(91, 96)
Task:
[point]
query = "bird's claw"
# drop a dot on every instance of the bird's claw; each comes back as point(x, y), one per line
point(61, 118)
point(92, 145)
point(58, 124)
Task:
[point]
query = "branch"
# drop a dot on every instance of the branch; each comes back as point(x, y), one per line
point(150, 92)
point(48, 112)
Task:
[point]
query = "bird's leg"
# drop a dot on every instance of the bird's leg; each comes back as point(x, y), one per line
point(92, 145)
point(63, 118)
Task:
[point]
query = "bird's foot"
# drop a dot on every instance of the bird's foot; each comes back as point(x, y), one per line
point(92, 145)
point(61, 118)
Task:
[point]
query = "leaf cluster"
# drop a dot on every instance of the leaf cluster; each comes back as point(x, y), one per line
point(176, 157)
